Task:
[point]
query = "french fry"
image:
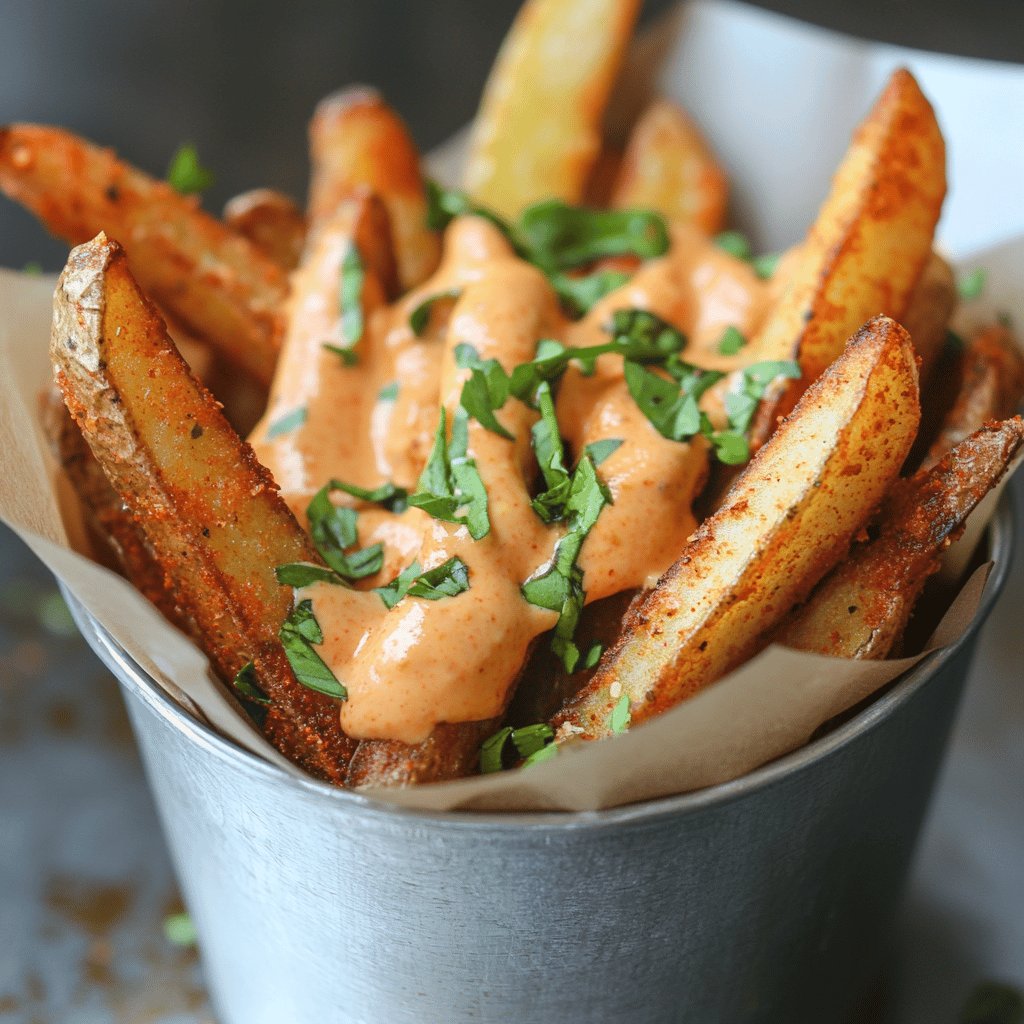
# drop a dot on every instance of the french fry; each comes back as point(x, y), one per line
point(787, 521)
point(210, 512)
point(867, 248)
point(538, 131)
point(218, 284)
point(929, 310)
point(668, 167)
point(991, 388)
point(357, 142)
point(271, 221)
point(862, 608)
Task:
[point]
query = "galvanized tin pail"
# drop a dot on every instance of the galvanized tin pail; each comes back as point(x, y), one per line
point(765, 900)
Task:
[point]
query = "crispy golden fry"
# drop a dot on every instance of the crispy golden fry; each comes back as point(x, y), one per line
point(538, 130)
point(670, 168)
point(867, 248)
point(787, 521)
point(929, 310)
point(358, 142)
point(218, 284)
point(991, 388)
point(210, 512)
point(271, 221)
point(862, 608)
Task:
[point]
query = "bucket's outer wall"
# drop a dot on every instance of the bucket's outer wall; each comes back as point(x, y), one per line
point(771, 906)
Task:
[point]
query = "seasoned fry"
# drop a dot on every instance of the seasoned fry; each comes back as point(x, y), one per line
point(218, 284)
point(867, 248)
point(862, 608)
point(210, 512)
point(670, 168)
point(991, 388)
point(358, 142)
point(538, 130)
point(271, 221)
point(929, 310)
point(788, 520)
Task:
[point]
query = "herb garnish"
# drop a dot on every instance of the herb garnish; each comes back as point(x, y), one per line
point(420, 316)
point(529, 741)
point(350, 302)
point(388, 393)
point(450, 480)
point(299, 632)
point(547, 446)
point(579, 294)
point(603, 449)
point(736, 244)
point(185, 174)
point(731, 342)
point(445, 580)
point(246, 684)
point(971, 285)
point(287, 423)
point(619, 719)
point(485, 391)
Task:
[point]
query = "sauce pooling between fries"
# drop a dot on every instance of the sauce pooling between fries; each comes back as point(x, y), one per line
point(422, 662)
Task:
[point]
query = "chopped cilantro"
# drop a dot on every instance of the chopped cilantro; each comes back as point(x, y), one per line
point(491, 751)
point(288, 422)
point(186, 174)
point(593, 656)
point(393, 592)
point(485, 391)
point(246, 684)
point(971, 285)
point(543, 754)
point(450, 481)
point(388, 393)
point(531, 742)
point(578, 295)
point(334, 532)
point(766, 265)
point(350, 302)
point(550, 452)
point(446, 580)
point(299, 632)
point(735, 243)
point(420, 316)
point(303, 574)
point(731, 342)
point(603, 449)
point(620, 716)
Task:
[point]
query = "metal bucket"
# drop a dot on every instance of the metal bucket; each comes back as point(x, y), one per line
point(766, 899)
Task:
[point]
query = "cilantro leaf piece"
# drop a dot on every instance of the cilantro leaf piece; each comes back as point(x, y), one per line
point(731, 448)
point(735, 243)
point(393, 592)
point(444, 205)
point(971, 285)
point(593, 656)
point(420, 316)
point(246, 684)
point(492, 749)
point(766, 264)
point(741, 405)
point(302, 574)
point(299, 632)
point(388, 393)
point(450, 480)
point(528, 739)
point(670, 410)
point(620, 716)
point(186, 174)
point(550, 452)
point(603, 449)
point(334, 532)
point(350, 299)
point(486, 390)
point(544, 754)
point(389, 495)
point(579, 294)
point(288, 422)
point(557, 236)
point(445, 580)
point(731, 342)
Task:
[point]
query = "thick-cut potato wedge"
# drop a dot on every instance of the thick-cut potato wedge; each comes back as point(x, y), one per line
point(931, 306)
point(787, 521)
point(271, 221)
point(538, 130)
point(217, 283)
point(861, 609)
point(669, 167)
point(210, 512)
point(991, 388)
point(358, 142)
point(867, 248)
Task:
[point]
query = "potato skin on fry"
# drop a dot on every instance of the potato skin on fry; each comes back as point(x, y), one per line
point(867, 247)
point(788, 519)
point(358, 143)
point(862, 608)
point(929, 309)
point(271, 221)
point(538, 131)
point(210, 512)
point(217, 283)
point(669, 167)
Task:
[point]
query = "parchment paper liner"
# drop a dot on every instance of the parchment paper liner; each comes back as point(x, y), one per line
point(769, 706)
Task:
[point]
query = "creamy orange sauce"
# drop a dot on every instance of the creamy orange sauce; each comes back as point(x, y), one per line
point(423, 662)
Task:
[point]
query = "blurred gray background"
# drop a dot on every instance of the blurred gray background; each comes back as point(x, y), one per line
point(84, 880)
